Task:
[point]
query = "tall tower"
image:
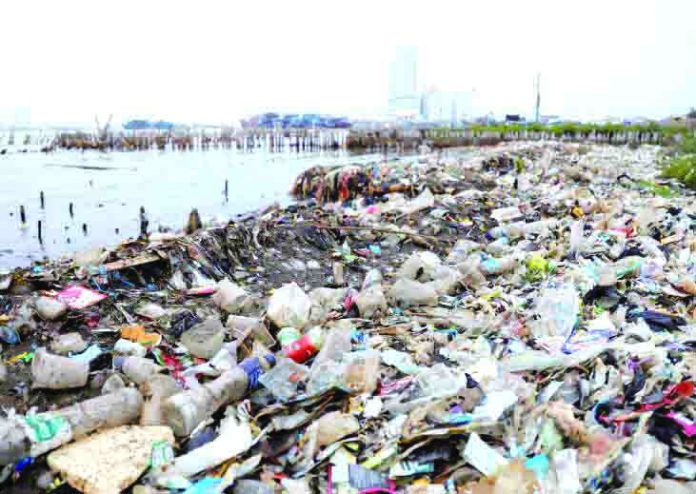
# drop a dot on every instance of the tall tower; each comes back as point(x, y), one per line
point(404, 97)
point(537, 85)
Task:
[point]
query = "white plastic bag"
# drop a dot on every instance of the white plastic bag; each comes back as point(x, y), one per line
point(231, 297)
point(289, 306)
point(557, 309)
point(407, 293)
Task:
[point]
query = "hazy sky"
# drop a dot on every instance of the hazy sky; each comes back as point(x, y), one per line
point(67, 60)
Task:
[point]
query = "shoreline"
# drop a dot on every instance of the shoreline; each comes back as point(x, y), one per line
point(451, 283)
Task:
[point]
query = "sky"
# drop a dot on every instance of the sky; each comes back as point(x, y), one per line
point(216, 61)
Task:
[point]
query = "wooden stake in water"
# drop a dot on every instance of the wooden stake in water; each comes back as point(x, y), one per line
point(84, 228)
point(226, 189)
point(38, 225)
point(41, 197)
point(70, 209)
point(22, 215)
point(144, 222)
point(194, 222)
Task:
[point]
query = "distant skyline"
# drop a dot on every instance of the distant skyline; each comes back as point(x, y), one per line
point(217, 61)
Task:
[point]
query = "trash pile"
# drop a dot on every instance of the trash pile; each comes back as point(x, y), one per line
point(518, 320)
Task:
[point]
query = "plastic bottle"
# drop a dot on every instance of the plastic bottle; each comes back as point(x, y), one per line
point(157, 390)
point(223, 360)
point(138, 369)
point(234, 438)
point(306, 347)
point(34, 435)
point(55, 372)
point(185, 410)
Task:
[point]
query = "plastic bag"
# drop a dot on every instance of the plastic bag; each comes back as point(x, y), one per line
point(557, 308)
point(205, 339)
point(289, 306)
point(50, 309)
point(232, 298)
point(371, 299)
point(407, 293)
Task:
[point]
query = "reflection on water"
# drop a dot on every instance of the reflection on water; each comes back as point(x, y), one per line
point(107, 190)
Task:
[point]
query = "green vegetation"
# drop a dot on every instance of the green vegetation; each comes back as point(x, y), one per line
point(576, 128)
point(688, 145)
point(681, 162)
point(683, 168)
point(659, 190)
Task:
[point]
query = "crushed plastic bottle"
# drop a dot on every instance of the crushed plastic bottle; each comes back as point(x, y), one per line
point(185, 410)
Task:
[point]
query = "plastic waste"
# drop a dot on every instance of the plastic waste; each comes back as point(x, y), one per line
point(289, 306)
point(371, 299)
point(222, 361)
point(408, 293)
point(423, 201)
point(232, 298)
point(34, 435)
point(577, 231)
point(186, 409)
point(324, 300)
point(243, 327)
point(205, 339)
point(328, 429)
point(151, 311)
point(112, 383)
point(493, 266)
point(127, 347)
point(461, 250)
point(56, 372)
point(336, 342)
point(137, 369)
point(155, 390)
point(446, 280)
point(284, 378)
point(50, 309)
point(138, 334)
point(68, 343)
point(420, 266)
point(288, 335)
point(306, 347)
point(557, 309)
point(233, 439)
point(361, 371)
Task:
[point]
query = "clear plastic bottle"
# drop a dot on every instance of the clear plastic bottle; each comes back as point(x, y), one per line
point(55, 372)
point(34, 435)
point(185, 410)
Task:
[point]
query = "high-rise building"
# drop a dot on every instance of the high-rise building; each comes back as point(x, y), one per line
point(404, 96)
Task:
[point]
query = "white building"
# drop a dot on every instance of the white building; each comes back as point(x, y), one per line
point(404, 96)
